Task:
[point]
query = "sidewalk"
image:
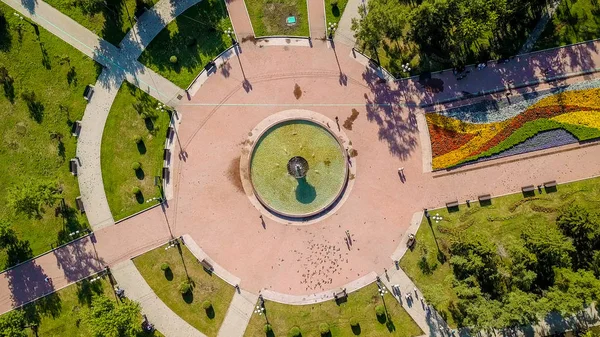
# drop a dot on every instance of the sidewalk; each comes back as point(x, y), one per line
point(316, 19)
point(344, 33)
point(431, 324)
point(238, 315)
point(240, 19)
point(163, 318)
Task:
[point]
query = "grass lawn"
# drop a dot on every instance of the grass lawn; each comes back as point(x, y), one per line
point(334, 13)
point(62, 313)
point(41, 98)
point(360, 305)
point(120, 151)
point(195, 37)
point(502, 223)
point(268, 17)
point(110, 19)
point(574, 21)
point(206, 287)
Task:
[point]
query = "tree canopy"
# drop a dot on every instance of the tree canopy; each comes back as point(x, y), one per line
point(107, 319)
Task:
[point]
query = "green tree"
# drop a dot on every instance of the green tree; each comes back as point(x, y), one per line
point(522, 266)
point(474, 255)
point(573, 291)
point(551, 248)
point(108, 320)
point(520, 308)
point(29, 197)
point(583, 227)
point(368, 29)
point(12, 324)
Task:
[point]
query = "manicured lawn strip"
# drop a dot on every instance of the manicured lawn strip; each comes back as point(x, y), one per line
point(110, 20)
point(268, 17)
point(120, 151)
point(495, 222)
point(38, 150)
point(334, 13)
point(63, 312)
point(206, 287)
point(360, 305)
point(574, 21)
point(195, 37)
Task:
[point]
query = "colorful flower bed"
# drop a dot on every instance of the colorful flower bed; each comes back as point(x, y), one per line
point(455, 141)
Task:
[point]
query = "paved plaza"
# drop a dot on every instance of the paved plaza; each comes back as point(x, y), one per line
point(209, 203)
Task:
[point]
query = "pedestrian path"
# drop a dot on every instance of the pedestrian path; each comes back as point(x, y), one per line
point(344, 33)
point(240, 19)
point(431, 323)
point(316, 19)
point(238, 315)
point(89, 175)
point(137, 289)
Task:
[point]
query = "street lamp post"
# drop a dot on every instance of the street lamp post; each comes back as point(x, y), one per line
point(331, 27)
point(231, 34)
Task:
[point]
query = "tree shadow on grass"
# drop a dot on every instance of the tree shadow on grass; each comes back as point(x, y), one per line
point(149, 122)
point(356, 329)
point(35, 106)
point(17, 250)
point(169, 274)
point(139, 197)
point(71, 224)
point(140, 175)
point(86, 290)
point(210, 312)
point(5, 36)
point(188, 297)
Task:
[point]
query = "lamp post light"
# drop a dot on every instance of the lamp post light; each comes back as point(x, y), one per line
point(331, 27)
point(406, 68)
point(231, 35)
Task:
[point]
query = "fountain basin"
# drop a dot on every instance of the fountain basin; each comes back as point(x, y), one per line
point(298, 195)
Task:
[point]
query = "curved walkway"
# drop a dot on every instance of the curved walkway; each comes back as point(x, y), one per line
point(163, 318)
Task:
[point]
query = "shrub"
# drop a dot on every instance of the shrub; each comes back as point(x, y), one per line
point(334, 4)
point(185, 287)
point(136, 166)
point(165, 266)
point(138, 139)
point(324, 328)
point(380, 310)
point(353, 321)
point(295, 332)
point(136, 190)
point(173, 59)
point(268, 328)
point(207, 304)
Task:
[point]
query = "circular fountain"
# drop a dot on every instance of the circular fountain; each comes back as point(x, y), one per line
point(298, 168)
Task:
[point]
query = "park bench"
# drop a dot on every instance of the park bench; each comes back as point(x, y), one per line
point(210, 65)
point(340, 294)
point(170, 132)
point(76, 128)
point(166, 154)
point(411, 241)
point(484, 197)
point(79, 204)
point(165, 173)
point(550, 186)
point(88, 92)
point(206, 265)
point(452, 204)
point(528, 190)
point(73, 166)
